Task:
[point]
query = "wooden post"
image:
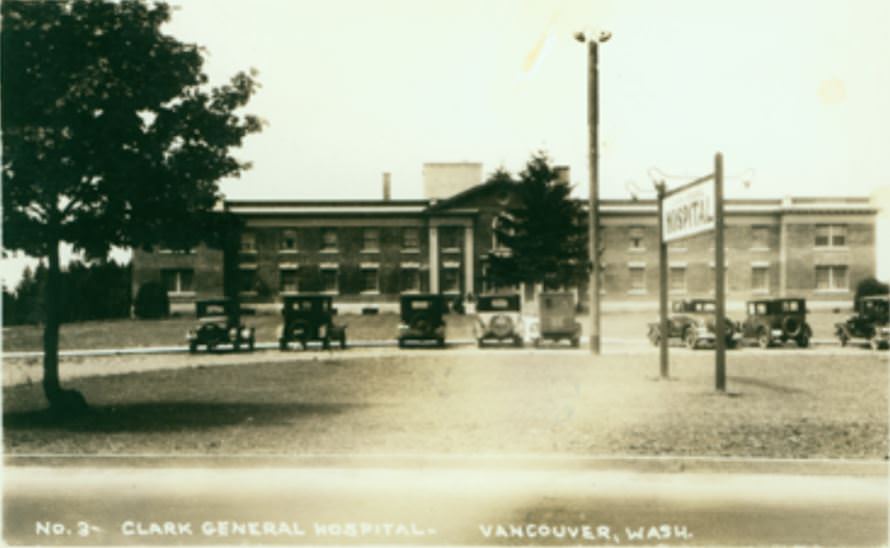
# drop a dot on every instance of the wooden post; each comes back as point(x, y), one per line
point(593, 200)
point(663, 327)
point(719, 272)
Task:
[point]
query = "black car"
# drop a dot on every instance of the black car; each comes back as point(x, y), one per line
point(774, 321)
point(422, 319)
point(309, 318)
point(219, 323)
point(870, 322)
point(692, 321)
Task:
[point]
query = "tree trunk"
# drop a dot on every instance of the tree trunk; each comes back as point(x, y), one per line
point(66, 401)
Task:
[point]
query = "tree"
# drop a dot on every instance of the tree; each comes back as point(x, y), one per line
point(111, 136)
point(546, 233)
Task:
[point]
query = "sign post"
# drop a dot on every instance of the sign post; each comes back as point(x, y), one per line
point(691, 209)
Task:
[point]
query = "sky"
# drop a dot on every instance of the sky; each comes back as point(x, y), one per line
point(793, 93)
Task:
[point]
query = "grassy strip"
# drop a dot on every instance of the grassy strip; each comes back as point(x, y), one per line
point(778, 406)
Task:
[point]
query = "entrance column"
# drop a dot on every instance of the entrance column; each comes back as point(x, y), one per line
point(434, 258)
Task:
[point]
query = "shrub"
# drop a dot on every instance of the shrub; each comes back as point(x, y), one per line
point(870, 286)
point(152, 301)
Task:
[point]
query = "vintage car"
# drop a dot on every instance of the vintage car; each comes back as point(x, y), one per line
point(498, 318)
point(870, 322)
point(692, 321)
point(219, 323)
point(555, 320)
point(422, 319)
point(309, 318)
point(772, 321)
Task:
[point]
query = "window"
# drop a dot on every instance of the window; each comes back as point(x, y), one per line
point(449, 238)
point(248, 242)
point(288, 281)
point(760, 278)
point(637, 276)
point(370, 279)
point(450, 280)
point(329, 239)
point(371, 239)
point(288, 240)
point(759, 237)
point(178, 281)
point(637, 243)
point(409, 279)
point(831, 236)
point(410, 238)
point(831, 278)
point(678, 279)
point(247, 280)
point(329, 280)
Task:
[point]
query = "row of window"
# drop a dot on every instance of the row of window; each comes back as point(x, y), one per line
point(824, 236)
point(828, 278)
point(288, 239)
point(409, 280)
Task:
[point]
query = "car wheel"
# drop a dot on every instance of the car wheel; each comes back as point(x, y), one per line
point(282, 344)
point(537, 343)
point(478, 343)
point(691, 340)
point(326, 343)
point(576, 342)
point(343, 341)
point(236, 346)
point(763, 340)
point(401, 343)
point(517, 342)
point(842, 338)
point(803, 341)
point(251, 343)
point(193, 347)
point(440, 342)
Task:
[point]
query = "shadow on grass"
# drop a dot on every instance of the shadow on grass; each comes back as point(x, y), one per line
point(780, 388)
point(172, 416)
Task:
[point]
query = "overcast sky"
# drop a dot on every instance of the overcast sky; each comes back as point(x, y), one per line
point(794, 93)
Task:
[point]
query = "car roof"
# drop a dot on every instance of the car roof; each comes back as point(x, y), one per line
point(875, 298)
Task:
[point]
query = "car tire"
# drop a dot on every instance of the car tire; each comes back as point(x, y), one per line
point(401, 343)
point(440, 342)
point(518, 342)
point(236, 346)
point(763, 340)
point(326, 343)
point(803, 341)
point(282, 344)
point(193, 347)
point(478, 343)
point(343, 341)
point(576, 342)
point(251, 343)
point(843, 339)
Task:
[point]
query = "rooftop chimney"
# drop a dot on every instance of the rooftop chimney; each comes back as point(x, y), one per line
point(386, 186)
point(562, 174)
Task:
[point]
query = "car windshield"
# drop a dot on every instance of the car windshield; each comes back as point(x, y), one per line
point(420, 305)
point(791, 306)
point(487, 304)
point(705, 307)
point(215, 310)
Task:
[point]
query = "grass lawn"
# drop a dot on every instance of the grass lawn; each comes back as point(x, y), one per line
point(171, 332)
point(479, 403)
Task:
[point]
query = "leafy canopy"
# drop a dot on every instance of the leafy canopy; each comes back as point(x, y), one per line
point(546, 233)
point(111, 135)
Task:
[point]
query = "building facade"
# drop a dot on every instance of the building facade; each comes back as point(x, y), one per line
point(368, 253)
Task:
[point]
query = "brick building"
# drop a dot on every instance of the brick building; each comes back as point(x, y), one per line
point(369, 252)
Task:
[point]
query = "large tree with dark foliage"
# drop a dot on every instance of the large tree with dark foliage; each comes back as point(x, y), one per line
point(546, 233)
point(111, 136)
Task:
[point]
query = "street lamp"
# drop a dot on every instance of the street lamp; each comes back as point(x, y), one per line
point(593, 200)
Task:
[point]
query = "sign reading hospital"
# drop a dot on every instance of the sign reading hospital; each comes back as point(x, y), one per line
point(688, 211)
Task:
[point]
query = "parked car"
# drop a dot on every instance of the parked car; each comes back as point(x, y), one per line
point(219, 323)
point(498, 318)
point(422, 319)
point(556, 319)
point(309, 318)
point(870, 322)
point(772, 321)
point(692, 321)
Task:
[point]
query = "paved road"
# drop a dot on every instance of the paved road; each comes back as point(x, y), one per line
point(557, 503)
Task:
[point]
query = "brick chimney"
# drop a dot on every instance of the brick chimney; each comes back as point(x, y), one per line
point(386, 186)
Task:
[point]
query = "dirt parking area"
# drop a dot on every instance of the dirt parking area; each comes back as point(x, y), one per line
point(473, 402)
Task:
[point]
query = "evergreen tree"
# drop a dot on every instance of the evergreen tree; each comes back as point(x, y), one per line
point(546, 233)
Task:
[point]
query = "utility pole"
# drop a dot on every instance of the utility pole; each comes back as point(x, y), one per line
point(720, 277)
point(663, 329)
point(593, 201)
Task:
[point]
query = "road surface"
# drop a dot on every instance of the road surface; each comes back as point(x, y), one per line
point(445, 502)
